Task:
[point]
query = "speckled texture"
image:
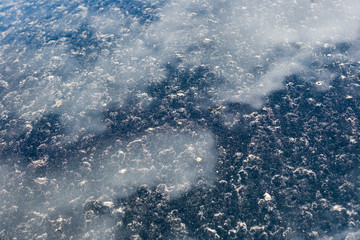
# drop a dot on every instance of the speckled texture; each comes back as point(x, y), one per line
point(106, 133)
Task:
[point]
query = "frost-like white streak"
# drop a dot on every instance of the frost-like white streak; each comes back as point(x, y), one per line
point(75, 63)
point(151, 159)
point(350, 234)
point(164, 158)
point(156, 160)
point(254, 44)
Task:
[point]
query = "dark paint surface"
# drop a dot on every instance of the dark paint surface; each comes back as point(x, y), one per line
point(286, 170)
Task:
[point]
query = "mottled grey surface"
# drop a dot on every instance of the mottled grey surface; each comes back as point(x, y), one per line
point(105, 131)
